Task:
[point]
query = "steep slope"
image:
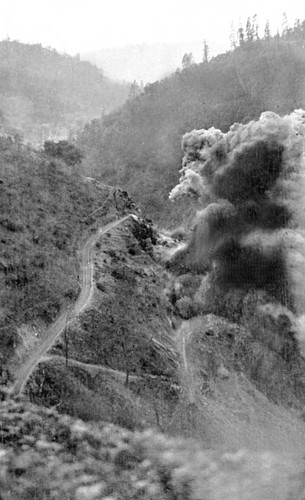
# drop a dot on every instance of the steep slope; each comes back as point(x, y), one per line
point(125, 330)
point(47, 210)
point(227, 399)
point(204, 377)
point(62, 322)
point(45, 95)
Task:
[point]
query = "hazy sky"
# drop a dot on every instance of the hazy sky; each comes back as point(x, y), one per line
point(83, 25)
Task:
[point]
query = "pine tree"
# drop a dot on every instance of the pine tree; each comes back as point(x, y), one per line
point(255, 27)
point(267, 32)
point(134, 90)
point(187, 60)
point(249, 31)
point(233, 42)
point(285, 27)
point(206, 51)
point(297, 32)
point(241, 36)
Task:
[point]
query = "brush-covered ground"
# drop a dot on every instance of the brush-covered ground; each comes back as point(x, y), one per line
point(46, 211)
point(151, 351)
point(45, 455)
point(154, 349)
point(118, 360)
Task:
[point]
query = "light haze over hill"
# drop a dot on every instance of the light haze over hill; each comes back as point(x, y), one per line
point(147, 62)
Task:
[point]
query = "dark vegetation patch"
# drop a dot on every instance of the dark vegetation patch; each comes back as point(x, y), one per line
point(64, 150)
point(144, 233)
point(75, 393)
point(121, 272)
point(119, 335)
point(148, 401)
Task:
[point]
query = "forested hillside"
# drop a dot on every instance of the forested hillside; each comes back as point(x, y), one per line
point(138, 146)
point(45, 94)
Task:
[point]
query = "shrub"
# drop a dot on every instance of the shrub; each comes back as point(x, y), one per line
point(8, 338)
point(123, 273)
point(190, 283)
point(187, 308)
point(179, 234)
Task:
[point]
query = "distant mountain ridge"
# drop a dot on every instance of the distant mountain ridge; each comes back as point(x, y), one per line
point(43, 93)
point(146, 62)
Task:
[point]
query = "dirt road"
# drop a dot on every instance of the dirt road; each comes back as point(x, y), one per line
point(93, 370)
point(56, 328)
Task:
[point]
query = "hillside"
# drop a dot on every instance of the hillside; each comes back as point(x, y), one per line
point(138, 147)
point(143, 363)
point(114, 370)
point(45, 94)
point(160, 343)
point(136, 309)
point(47, 209)
point(205, 383)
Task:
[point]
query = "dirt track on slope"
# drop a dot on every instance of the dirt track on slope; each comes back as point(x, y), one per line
point(56, 328)
point(230, 409)
point(93, 370)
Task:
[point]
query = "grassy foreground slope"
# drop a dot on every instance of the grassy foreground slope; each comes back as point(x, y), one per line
point(45, 455)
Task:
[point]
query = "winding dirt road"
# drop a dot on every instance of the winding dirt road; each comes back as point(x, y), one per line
point(56, 328)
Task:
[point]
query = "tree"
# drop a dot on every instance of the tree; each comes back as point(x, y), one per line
point(297, 32)
point(233, 42)
point(129, 347)
point(206, 51)
point(255, 27)
point(241, 36)
point(285, 27)
point(66, 336)
point(267, 32)
point(249, 31)
point(134, 90)
point(187, 60)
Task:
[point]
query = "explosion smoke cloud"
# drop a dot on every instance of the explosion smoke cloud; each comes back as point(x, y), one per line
point(251, 181)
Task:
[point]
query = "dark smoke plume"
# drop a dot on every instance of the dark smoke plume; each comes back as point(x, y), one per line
point(251, 182)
